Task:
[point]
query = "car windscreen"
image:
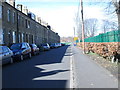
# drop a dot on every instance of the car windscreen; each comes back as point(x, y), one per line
point(15, 46)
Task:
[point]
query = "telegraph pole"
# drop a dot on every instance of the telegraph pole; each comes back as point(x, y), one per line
point(83, 36)
point(74, 31)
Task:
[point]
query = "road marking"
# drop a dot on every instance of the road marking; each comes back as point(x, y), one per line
point(91, 84)
point(71, 71)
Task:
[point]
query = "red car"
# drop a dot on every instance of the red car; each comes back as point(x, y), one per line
point(34, 49)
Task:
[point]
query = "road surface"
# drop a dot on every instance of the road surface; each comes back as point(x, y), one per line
point(64, 67)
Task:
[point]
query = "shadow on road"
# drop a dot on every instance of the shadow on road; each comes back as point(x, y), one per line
point(52, 56)
point(21, 74)
point(42, 74)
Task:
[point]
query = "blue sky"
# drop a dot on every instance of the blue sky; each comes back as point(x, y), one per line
point(49, 4)
point(60, 14)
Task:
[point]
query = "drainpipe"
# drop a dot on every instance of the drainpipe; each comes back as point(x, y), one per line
point(17, 33)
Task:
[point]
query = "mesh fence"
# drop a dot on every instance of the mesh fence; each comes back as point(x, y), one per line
point(112, 36)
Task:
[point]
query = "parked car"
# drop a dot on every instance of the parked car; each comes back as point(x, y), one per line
point(53, 45)
point(21, 50)
point(63, 44)
point(34, 49)
point(6, 55)
point(45, 47)
point(58, 44)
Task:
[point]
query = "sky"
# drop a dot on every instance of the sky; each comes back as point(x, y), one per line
point(60, 14)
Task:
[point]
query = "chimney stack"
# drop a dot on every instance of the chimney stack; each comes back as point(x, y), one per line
point(20, 7)
point(12, 3)
point(38, 19)
point(25, 10)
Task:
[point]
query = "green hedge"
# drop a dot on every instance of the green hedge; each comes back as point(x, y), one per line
point(113, 36)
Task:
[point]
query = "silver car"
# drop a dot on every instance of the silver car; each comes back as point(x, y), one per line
point(5, 55)
point(45, 46)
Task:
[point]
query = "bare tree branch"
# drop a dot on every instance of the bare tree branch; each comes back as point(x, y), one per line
point(115, 3)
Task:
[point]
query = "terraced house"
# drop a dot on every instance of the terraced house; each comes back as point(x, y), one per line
point(18, 25)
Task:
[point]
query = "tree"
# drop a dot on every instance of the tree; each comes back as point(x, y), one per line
point(90, 27)
point(78, 24)
point(109, 26)
point(116, 4)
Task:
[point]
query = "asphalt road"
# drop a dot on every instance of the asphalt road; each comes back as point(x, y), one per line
point(50, 69)
point(64, 67)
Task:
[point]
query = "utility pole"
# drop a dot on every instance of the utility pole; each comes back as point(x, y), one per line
point(74, 31)
point(83, 36)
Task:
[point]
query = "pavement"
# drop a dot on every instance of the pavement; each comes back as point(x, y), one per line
point(89, 74)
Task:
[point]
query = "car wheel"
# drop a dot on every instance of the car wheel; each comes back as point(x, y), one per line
point(30, 55)
point(11, 60)
point(21, 57)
